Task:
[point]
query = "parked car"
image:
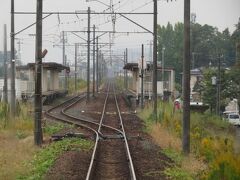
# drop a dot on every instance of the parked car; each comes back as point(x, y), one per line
point(232, 118)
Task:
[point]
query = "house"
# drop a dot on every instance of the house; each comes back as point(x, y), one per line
point(134, 79)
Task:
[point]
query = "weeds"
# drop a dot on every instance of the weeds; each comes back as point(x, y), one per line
point(46, 157)
point(81, 84)
point(211, 138)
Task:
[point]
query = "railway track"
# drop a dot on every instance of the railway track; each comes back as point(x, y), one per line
point(111, 158)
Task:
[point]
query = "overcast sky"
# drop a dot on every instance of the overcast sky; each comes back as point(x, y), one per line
point(218, 13)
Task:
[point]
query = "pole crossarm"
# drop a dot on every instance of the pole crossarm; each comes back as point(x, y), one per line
point(98, 13)
point(120, 32)
point(136, 23)
point(31, 25)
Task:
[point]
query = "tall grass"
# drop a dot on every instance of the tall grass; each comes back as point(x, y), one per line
point(16, 140)
point(81, 84)
point(23, 120)
point(210, 136)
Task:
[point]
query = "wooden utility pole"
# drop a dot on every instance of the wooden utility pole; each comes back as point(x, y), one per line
point(5, 87)
point(13, 90)
point(186, 80)
point(154, 85)
point(38, 76)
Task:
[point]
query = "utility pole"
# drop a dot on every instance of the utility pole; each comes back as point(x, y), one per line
point(126, 70)
point(5, 87)
point(218, 87)
point(97, 55)
point(64, 60)
point(94, 60)
point(38, 76)
point(19, 51)
point(186, 80)
point(150, 51)
point(154, 86)
point(76, 56)
point(13, 91)
point(163, 86)
point(63, 44)
point(88, 56)
point(142, 95)
point(124, 60)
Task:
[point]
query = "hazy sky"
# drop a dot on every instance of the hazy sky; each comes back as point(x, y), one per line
point(218, 13)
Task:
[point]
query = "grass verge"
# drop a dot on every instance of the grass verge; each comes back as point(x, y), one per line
point(211, 138)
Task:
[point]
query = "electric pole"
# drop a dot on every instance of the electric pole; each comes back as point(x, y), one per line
point(150, 51)
point(63, 44)
point(97, 59)
point(94, 60)
point(154, 86)
point(38, 76)
point(88, 56)
point(64, 60)
point(186, 80)
point(5, 88)
point(126, 70)
point(13, 91)
point(76, 56)
point(124, 60)
point(142, 70)
point(163, 85)
point(218, 87)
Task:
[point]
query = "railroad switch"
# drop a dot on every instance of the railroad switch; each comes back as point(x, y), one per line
point(67, 135)
point(104, 137)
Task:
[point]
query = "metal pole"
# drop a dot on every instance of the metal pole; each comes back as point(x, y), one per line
point(163, 86)
point(64, 61)
point(76, 56)
point(88, 56)
point(218, 87)
point(94, 60)
point(154, 86)
point(124, 60)
point(5, 87)
point(38, 76)
point(142, 95)
point(63, 42)
point(97, 58)
point(186, 80)
point(150, 51)
point(13, 91)
point(126, 70)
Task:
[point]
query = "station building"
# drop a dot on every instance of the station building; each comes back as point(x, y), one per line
point(51, 82)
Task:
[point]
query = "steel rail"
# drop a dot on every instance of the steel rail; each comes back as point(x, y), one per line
point(132, 171)
point(96, 132)
point(90, 169)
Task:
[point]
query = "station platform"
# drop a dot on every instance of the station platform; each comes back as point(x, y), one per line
point(47, 97)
